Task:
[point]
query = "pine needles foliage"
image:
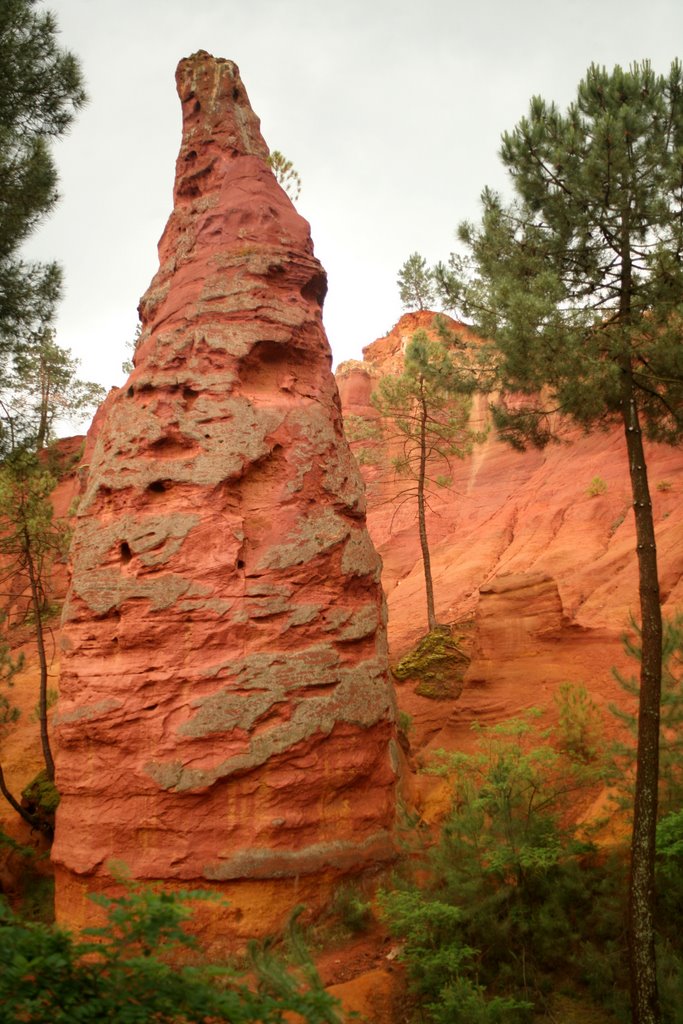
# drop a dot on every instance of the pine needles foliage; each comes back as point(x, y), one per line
point(120, 974)
point(517, 901)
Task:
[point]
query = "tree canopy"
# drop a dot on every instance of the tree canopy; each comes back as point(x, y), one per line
point(41, 387)
point(579, 280)
point(41, 88)
point(416, 283)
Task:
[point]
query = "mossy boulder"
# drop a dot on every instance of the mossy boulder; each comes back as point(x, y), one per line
point(437, 662)
point(41, 799)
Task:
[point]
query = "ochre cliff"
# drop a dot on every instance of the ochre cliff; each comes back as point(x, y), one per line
point(225, 716)
point(535, 549)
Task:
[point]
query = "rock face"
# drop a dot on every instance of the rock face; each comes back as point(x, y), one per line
point(517, 613)
point(528, 547)
point(225, 712)
point(518, 512)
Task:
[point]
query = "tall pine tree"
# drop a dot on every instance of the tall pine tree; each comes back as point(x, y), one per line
point(580, 283)
point(40, 90)
point(425, 409)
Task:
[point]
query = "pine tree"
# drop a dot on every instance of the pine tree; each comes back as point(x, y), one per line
point(43, 387)
point(30, 541)
point(425, 409)
point(580, 282)
point(286, 174)
point(40, 90)
point(415, 283)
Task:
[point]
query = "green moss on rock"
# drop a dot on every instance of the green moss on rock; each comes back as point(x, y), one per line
point(438, 663)
point(41, 799)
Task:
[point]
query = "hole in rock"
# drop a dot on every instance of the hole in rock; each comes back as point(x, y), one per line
point(158, 486)
point(271, 366)
point(150, 707)
point(131, 391)
point(196, 107)
point(171, 446)
point(126, 553)
point(240, 563)
point(235, 94)
point(315, 289)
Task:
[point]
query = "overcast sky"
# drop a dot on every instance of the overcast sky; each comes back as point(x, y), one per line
point(390, 110)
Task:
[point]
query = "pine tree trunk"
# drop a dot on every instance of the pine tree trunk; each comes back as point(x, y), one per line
point(644, 996)
point(641, 907)
point(30, 819)
point(42, 658)
point(422, 525)
point(41, 436)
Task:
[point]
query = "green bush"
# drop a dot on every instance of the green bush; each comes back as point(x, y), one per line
point(118, 974)
point(671, 719)
point(596, 486)
point(41, 799)
point(580, 730)
point(514, 898)
point(354, 912)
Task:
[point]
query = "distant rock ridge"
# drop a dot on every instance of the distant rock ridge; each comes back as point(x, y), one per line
point(226, 714)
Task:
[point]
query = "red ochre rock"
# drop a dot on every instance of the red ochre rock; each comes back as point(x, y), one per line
point(525, 545)
point(506, 511)
point(516, 614)
point(226, 717)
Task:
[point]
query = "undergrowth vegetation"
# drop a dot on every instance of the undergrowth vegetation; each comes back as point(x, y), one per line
point(521, 909)
point(121, 973)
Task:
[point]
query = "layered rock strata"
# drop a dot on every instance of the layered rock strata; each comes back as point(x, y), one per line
point(226, 715)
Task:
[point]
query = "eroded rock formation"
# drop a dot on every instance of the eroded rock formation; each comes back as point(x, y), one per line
point(517, 512)
point(517, 614)
point(526, 549)
point(225, 711)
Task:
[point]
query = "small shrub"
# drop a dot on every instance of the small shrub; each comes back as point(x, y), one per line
point(353, 911)
point(465, 1002)
point(37, 895)
point(404, 722)
point(664, 485)
point(580, 730)
point(368, 457)
point(618, 520)
point(285, 173)
point(596, 486)
point(41, 799)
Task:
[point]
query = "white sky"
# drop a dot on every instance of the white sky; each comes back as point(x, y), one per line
point(391, 111)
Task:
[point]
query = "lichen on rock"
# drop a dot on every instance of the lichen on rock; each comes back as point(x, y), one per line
point(437, 663)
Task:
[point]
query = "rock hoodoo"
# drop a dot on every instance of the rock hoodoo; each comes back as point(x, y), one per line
point(225, 716)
